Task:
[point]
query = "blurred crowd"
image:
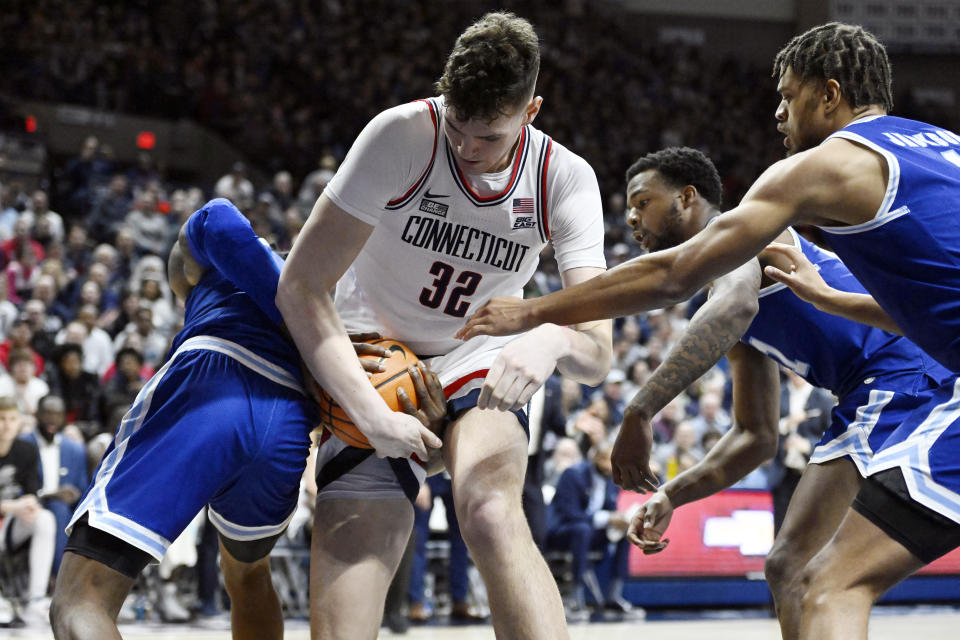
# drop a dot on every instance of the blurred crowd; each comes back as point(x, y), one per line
point(86, 313)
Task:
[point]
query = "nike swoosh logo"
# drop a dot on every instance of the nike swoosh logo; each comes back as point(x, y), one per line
point(433, 195)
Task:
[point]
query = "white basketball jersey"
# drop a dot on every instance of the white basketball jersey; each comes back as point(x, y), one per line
point(440, 250)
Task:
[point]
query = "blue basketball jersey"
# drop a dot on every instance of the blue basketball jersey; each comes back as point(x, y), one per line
point(908, 256)
point(218, 307)
point(829, 351)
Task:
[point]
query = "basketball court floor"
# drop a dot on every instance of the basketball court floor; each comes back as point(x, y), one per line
point(894, 624)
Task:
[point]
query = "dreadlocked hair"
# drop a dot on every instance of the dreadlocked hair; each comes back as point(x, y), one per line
point(846, 53)
point(492, 69)
point(680, 166)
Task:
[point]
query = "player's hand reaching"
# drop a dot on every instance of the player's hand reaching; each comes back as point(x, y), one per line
point(363, 348)
point(498, 317)
point(631, 453)
point(649, 523)
point(803, 278)
point(430, 410)
point(521, 368)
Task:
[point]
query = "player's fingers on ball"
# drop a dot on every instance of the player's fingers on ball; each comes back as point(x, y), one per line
point(418, 384)
point(405, 403)
point(371, 366)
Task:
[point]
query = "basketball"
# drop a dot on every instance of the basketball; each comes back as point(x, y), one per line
point(394, 376)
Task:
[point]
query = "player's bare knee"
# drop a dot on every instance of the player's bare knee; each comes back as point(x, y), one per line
point(777, 567)
point(487, 519)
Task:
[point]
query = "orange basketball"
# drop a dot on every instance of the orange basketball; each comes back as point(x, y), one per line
point(393, 376)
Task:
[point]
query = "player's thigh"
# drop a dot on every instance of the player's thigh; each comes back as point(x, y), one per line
point(859, 556)
point(485, 450)
point(818, 505)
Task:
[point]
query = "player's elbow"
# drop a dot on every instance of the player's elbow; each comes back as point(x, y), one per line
point(764, 444)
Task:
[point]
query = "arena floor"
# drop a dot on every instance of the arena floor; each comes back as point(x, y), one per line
point(933, 624)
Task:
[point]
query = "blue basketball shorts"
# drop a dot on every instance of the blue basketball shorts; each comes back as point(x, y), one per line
point(218, 425)
point(926, 449)
point(864, 418)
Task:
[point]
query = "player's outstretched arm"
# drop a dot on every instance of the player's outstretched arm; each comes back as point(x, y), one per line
point(805, 281)
point(750, 441)
point(328, 243)
point(582, 353)
point(714, 329)
point(655, 280)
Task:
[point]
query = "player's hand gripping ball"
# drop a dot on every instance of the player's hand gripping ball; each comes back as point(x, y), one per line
point(394, 376)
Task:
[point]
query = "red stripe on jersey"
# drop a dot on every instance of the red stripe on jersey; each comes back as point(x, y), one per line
point(543, 190)
point(456, 385)
point(433, 118)
point(513, 174)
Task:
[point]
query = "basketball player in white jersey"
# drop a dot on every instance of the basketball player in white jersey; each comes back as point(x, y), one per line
point(440, 205)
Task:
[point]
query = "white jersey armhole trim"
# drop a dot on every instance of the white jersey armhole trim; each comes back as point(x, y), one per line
point(884, 214)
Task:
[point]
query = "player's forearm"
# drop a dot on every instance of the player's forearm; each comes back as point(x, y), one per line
point(638, 285)
point(585, 354)
point(316, 329)
point(859, 307)
point(712, 332)
point(735, 455)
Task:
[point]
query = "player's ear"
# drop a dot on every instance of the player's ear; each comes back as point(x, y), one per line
point(531, 110)
point(831, 95)
point(688, 195)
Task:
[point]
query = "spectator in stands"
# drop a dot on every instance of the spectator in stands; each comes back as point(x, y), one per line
point(122, 384)
point(151, 230)
point(22, 383)
point(9, 211)
point(153, 342)
point(21, 237)
point(581, 512)
point(46, 291)
point(19, 337)
point(80, 390)
point(8, 311)
point(38, 211)
point(565, 454)
point(22, 273)
point(116, 321)
point(680, 453)
point(151, 282)
point(25, 521)
point(97, 346)
point(76, 253)
point(235, 186)
point(63, 467)
point(126, 256)
point(282, 190)
point(612, 394)
point(44, 327)
point(710, 415)
point(110, 210)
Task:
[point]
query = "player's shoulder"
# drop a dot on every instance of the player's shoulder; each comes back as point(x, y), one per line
point(410, 116)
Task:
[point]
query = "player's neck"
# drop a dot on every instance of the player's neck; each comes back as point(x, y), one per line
point(700, 218)
point(507, 159)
